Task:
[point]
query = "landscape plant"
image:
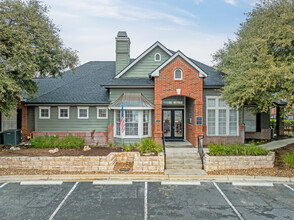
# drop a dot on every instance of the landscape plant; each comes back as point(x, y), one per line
point(149, 145)
point(47, 141)
point(236, 150)
point(288, 158)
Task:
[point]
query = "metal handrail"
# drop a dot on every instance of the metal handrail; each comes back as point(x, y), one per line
point(200, 148)
point(164, 151)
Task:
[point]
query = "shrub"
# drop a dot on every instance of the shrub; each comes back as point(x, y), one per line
point(149, 146)
point(127, 148)
point(54, 141)
point(111, 145)
point(288, 158)
point(236, 149)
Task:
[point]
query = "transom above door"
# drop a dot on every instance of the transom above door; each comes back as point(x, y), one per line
point(173, 124)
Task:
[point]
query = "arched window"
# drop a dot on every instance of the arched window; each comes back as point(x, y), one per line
point(157, 57)
point(178, 75)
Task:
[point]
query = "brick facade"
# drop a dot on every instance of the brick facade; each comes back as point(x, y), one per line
point(165, 86)
point(263, 134)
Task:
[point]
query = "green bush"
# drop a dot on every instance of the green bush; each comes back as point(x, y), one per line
point(149, 146)
point(288, 122)
point(127, 148)
point(236, 149)
point(111, 145)
point(47, 141)
point(289, 159)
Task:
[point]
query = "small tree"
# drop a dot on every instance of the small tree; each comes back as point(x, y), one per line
point(29, 45)
point(259, 64)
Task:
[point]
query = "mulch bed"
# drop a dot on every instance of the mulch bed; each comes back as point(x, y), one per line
point(32, 152)
point(280, 168)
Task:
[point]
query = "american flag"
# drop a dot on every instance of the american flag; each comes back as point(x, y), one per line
point(122, 121)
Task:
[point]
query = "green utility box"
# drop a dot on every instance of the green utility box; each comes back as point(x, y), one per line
point(1, 137)
point(12, 137)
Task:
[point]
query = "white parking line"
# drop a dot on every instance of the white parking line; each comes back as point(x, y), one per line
point(146, 201)
point(109, 182)
point(4, 184)
point(194, 183)
point(289, 187)
point(228, 201)
point(63, 201)
point(41, 183)
point(251, 184)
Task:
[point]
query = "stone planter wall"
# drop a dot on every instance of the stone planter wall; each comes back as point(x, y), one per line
point(238, 162)
point(86, 164)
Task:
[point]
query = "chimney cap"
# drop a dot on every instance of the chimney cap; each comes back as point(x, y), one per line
point(122, 34)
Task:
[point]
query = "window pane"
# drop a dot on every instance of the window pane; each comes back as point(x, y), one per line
point(117, 118)
point(211, 122)
point(233, 122)
point(178, 74)
point(221, 103)
point(157, 57)
point(9, 123)
point(145, 122)
point(63, 113)
point(250, 121)
point(222, 122)
point(131, 123)
point(102, 113)
point(210, 102)
point(45, 113)
point(83, 113)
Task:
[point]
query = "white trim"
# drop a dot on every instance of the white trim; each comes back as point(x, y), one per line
point(98, 108)
point(40, 109)
point(179, 53)
point(217, 108)
point(143, 55)
point(179, 78)
point(63, 107)
point(87, 108)
point(159, 57)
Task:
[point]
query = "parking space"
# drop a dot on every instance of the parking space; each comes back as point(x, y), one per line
point(141, 200)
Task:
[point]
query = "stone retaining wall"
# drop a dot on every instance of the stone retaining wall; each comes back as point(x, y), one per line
point(238, 162)
point(86, 163)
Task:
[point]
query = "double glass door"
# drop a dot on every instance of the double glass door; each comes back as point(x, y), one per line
point(173, 124)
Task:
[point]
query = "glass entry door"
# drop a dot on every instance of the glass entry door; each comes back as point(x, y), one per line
point(173, 124)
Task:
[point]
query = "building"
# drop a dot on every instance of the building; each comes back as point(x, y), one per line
point(161, 91)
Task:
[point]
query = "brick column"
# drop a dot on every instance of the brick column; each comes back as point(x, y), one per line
point(24, 122)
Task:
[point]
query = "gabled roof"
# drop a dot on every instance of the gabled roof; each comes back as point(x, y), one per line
point(133, 82)
point(180, 54)
point(82, 86)
point(156, 44)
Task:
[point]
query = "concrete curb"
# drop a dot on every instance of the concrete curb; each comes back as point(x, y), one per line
point(145, 177)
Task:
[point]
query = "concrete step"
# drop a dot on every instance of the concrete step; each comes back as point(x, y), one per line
point(183, 154)
point(189, 160)
point(184, 166)
point(185, 172)
point(179, 162)
point(182, 157)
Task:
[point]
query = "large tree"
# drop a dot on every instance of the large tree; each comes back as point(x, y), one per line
point(29, 45)
point(259, 64)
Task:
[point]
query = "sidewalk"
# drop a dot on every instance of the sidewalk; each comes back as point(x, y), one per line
point(278, 144)
point(145, 178)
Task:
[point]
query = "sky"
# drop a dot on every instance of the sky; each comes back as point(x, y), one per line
point(196, 27)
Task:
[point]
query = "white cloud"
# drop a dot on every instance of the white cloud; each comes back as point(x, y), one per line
point(231, 2)
point(197, 2)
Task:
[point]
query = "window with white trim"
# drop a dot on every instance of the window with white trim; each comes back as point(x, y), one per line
point(102, 113)
point(157, 57)
point(63, 112)
point(249, 120)
point(178, 74)
point(83, 112)
point(44, 112)
point(137, 123)
point(221, 119)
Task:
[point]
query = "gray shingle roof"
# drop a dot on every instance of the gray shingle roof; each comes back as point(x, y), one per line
point(83, 86)
point(86, 84)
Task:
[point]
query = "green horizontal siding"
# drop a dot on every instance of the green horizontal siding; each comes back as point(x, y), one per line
point(147, 64)
point(122, 55)
point(71, 124)
point(116, 93)
point(31, 118)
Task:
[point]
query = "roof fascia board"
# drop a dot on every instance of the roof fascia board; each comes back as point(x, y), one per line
point(132, 108)
point(143, 55)
point(179, 53)
point(65, 104)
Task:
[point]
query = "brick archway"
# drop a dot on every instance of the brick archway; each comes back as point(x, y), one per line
point(190, 86)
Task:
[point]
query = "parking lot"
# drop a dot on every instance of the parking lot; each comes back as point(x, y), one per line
point(145, 200)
